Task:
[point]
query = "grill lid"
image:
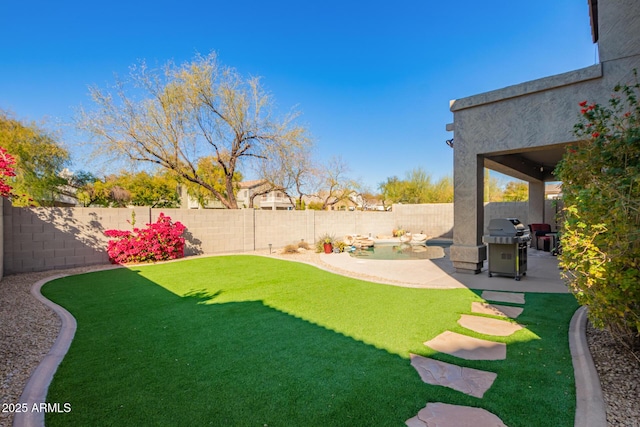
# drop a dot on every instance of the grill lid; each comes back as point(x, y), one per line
point(507, 227)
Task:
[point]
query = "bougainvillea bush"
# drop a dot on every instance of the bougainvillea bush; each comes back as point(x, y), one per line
point(160, 241)
point(7, 161)
point(601, 234)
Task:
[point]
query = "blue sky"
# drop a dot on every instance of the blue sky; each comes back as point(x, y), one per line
point(373, 79)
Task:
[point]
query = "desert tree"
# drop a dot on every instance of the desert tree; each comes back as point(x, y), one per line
point(158, 189)
point(174, 116)
point(516, 191)
point(210, 172)
point(39, 161)
point(493, 188)
point(106, 192)
point(417, 187)
point(289, 169)
point(332, 183)
point(392, 191)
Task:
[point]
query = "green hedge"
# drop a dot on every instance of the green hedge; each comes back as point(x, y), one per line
point(601, 233)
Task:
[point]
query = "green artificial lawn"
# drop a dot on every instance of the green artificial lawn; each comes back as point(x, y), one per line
point(254, 341)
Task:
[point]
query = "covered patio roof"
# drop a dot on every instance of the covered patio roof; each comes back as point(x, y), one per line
point(523, 130)
point(534, 164)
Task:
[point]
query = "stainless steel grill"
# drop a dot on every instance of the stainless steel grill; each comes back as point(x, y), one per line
point(507, 243)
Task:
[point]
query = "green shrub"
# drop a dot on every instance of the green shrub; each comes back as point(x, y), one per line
point(601, 233)
point(340, 245)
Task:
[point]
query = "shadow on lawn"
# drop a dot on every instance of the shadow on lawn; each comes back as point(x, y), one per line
point(144, 356)
point(202, 296)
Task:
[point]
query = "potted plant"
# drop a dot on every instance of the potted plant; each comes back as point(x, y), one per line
point(326, 241)
point(328, 246)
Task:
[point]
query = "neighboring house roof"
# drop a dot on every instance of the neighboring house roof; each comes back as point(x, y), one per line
point(552, 190)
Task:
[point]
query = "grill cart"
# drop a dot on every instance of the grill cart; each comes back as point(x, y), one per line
point(507, 243)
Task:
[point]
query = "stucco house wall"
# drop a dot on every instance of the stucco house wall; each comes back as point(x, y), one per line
point(536, 115)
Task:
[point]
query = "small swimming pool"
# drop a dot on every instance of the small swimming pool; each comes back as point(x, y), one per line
point(400, 251)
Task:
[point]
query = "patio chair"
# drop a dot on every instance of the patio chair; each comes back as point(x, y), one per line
point(542, 238)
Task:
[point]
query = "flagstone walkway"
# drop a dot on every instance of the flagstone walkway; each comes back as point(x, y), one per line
point(473, 382)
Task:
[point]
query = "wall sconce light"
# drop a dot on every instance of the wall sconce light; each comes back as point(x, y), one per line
point(449, 142)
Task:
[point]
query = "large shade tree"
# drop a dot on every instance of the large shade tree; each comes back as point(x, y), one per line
point(177, 115)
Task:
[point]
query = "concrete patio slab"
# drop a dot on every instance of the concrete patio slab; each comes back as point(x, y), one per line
point(543, 274)
point(496, 309)
point(488, 326)
point(466, 347)
point(515, 298)
point(446, 415)
point(408, 273)
point(473, 382)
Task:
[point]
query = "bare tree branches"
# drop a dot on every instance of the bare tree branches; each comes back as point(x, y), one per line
point(177, 115)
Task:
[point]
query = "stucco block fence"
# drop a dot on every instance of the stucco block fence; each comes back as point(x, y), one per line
point(38, 239)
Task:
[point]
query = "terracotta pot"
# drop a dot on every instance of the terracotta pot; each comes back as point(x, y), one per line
point(328, 248)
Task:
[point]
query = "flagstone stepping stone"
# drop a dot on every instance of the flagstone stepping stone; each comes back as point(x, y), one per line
point(473, 382)
point(446, 415)
point(466, 347)
point(496, 310)
point(488, 326)
point(517, 298)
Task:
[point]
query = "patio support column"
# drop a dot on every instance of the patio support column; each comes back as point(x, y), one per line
point(536, 203)
point(468, 252)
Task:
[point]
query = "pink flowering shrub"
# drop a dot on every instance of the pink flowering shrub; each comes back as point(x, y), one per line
point(7, 161)
point(158, 242)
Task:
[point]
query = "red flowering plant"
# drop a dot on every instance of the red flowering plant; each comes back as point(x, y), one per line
point(7, 161)
point(160, 241)
point(601, 232)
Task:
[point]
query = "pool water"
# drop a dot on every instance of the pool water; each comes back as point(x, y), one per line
point(399, 251)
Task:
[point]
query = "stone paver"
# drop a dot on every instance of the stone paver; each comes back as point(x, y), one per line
point(468, 347)
point(445, 415)
point(517, 298)
point(473, 382)
point(488, 326)
point(496, 310)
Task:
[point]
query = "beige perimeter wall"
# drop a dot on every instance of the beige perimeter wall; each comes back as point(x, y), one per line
point(37, 239)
